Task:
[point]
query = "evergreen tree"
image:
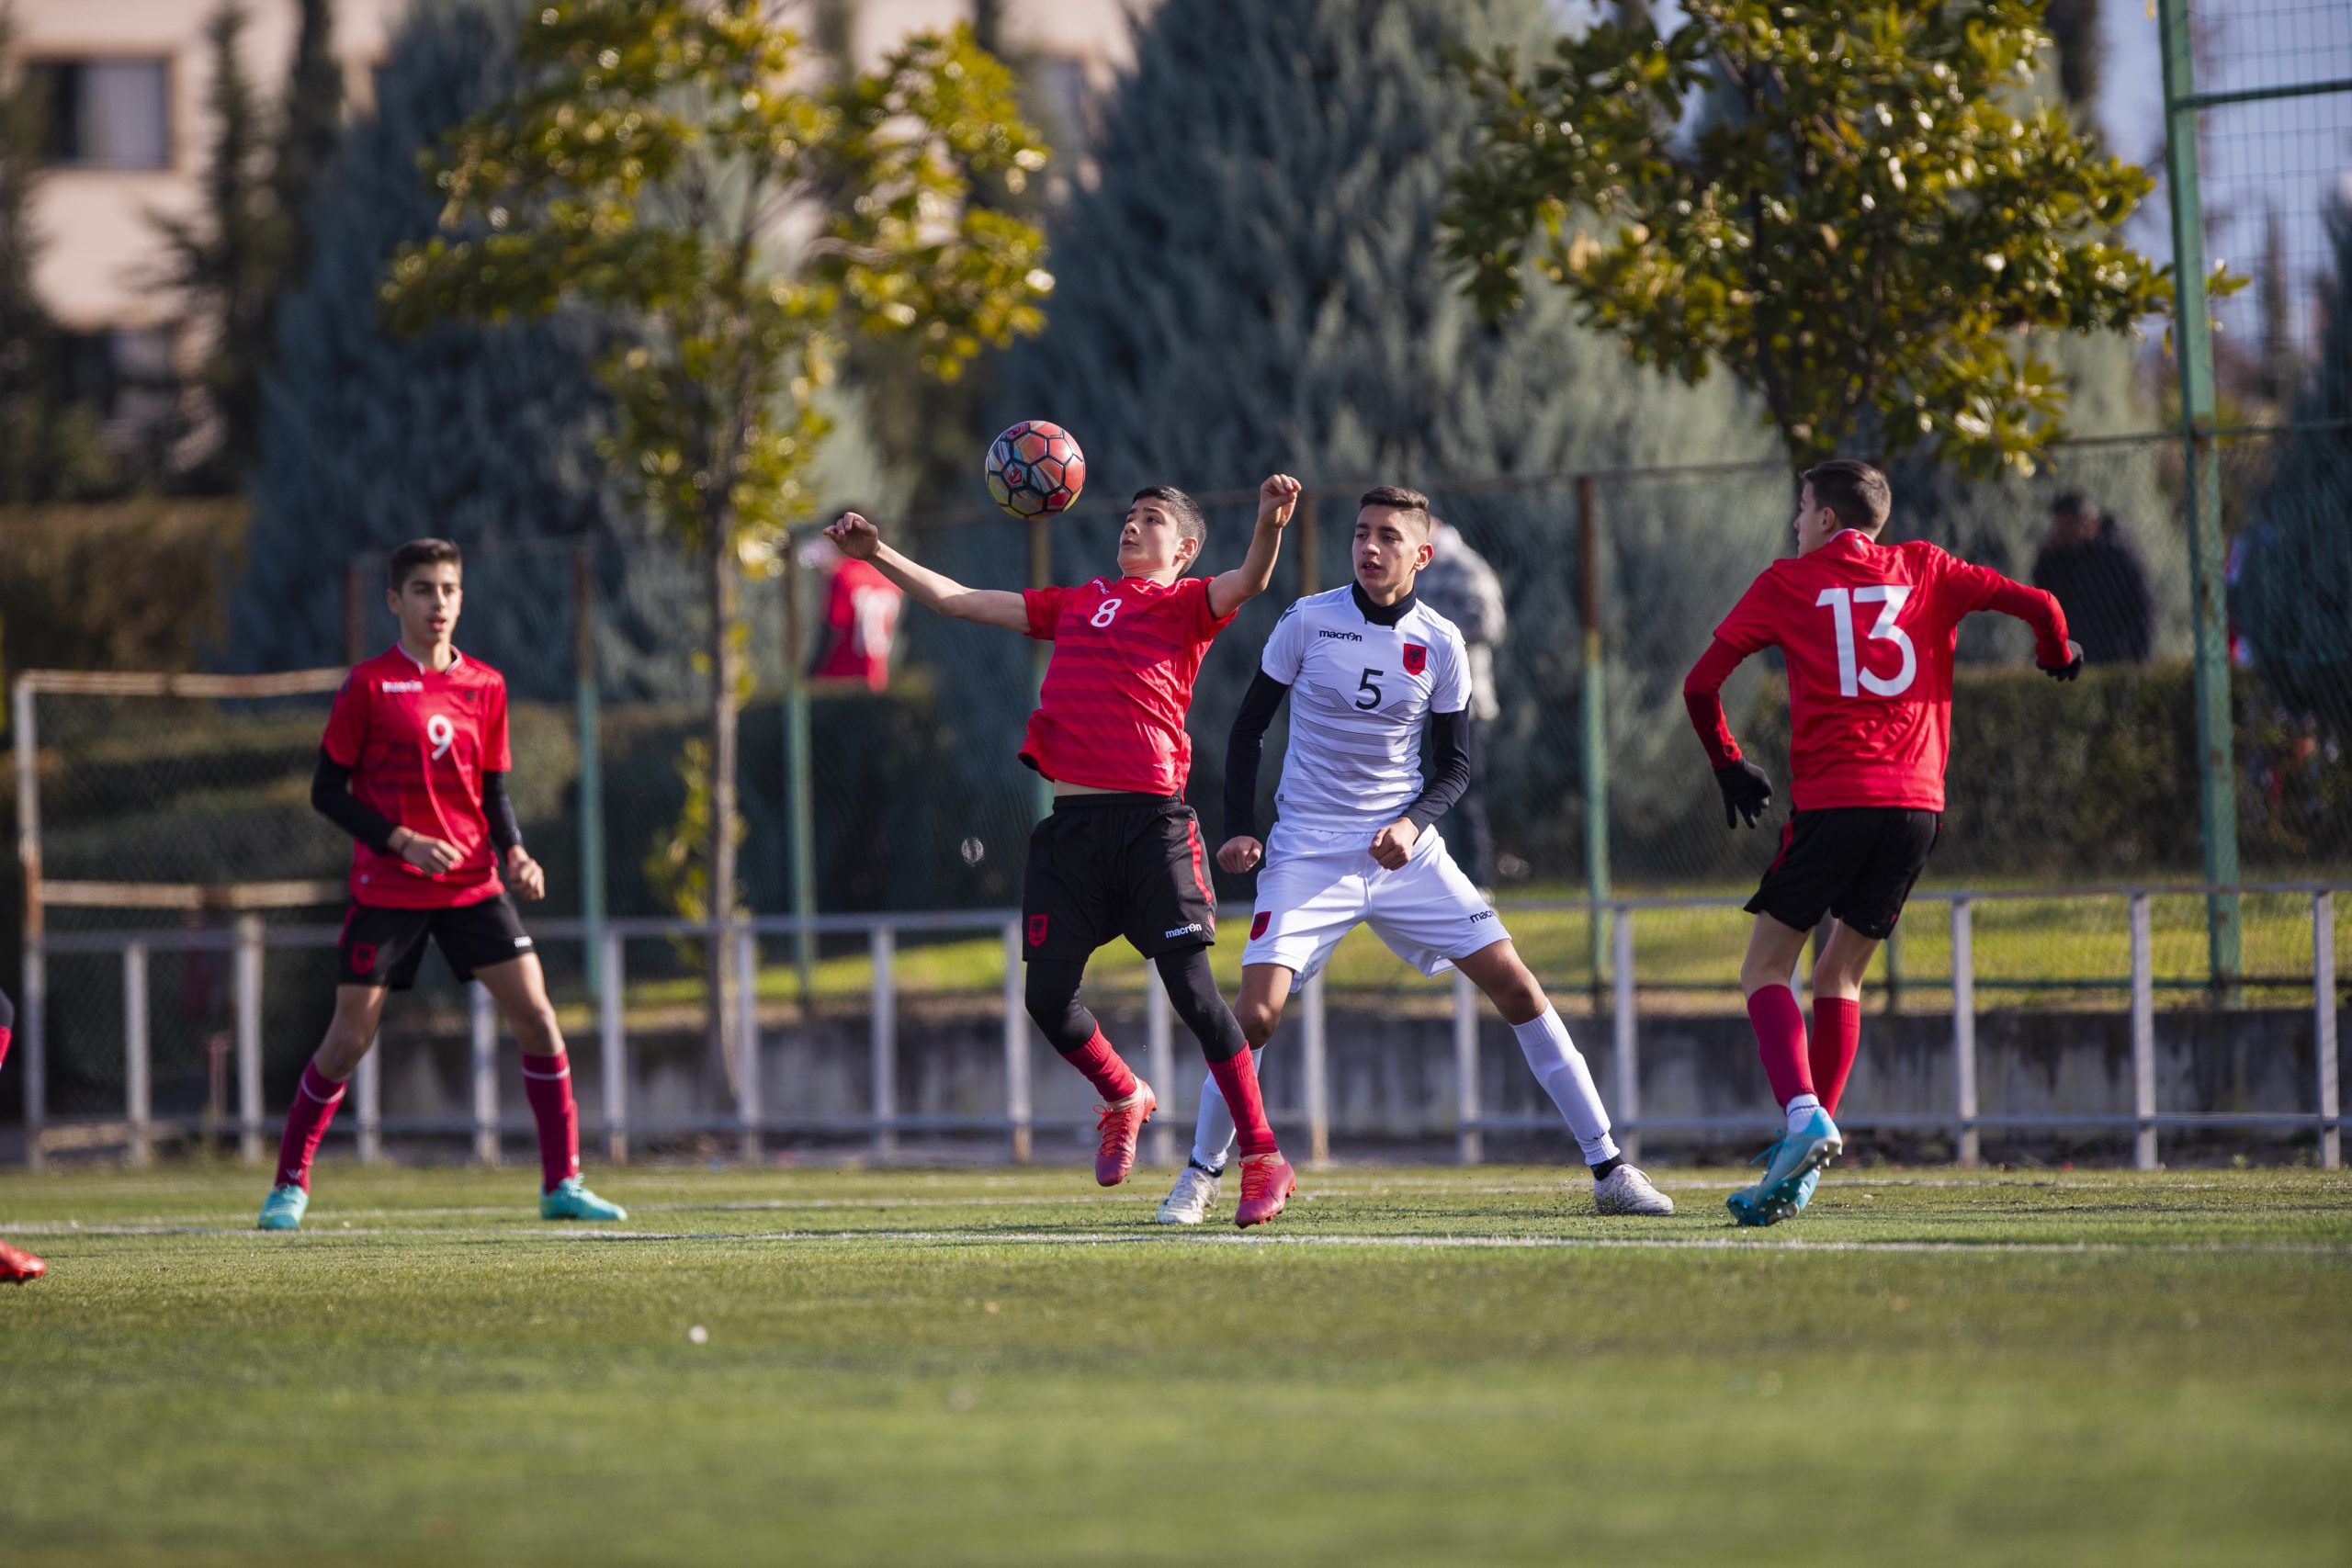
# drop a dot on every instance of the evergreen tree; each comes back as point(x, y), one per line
point(223, 260)
point(2294, 593)
point(1255, 282)
point(308, 128)
point(369, 439)
point(49, 448)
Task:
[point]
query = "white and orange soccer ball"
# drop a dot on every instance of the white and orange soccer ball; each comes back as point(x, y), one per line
point(1034, 470)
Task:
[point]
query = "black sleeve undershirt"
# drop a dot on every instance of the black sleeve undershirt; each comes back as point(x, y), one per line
point(1450, 775)
point(331, 798)
point(498, 808)
point(1242, 750)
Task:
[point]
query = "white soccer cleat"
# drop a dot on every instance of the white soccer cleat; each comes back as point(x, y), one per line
point(1188, 1201)
point(1626, 1190)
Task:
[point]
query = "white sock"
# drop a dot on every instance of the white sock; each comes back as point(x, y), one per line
point(1800, 1111)
point(1212, 1134)
point(1558, 1067)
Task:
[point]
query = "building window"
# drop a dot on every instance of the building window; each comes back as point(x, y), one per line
point(104, 114)
point(128, 376)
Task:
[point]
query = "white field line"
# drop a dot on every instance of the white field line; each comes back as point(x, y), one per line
point(1158, 1237)
point(1143, 1194)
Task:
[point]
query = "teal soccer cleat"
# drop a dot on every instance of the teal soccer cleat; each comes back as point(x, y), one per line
point(283, 1209)
point(1743, 1203)
point(1801, 1153)
point(569, 1200)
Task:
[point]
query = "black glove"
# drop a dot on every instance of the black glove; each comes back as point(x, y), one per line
point(1747, 792)
point(2068, 671)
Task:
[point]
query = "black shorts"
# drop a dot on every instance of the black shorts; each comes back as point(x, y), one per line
point(1857, 863)
point(384, 947)
point(1112, 865)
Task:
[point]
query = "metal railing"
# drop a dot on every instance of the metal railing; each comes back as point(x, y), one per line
point(753, 1123)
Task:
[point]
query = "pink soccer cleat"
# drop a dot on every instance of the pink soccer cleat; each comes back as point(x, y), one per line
point(18, 1266)
point(1119, 1124)
point(1266, 1182)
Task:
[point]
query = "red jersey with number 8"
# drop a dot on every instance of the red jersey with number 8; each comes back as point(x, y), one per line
point(1867, 631)
point(1111, 712)
point(417, 742)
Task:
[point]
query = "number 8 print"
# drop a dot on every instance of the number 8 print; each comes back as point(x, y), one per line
point(442, 733)
point(1105, 612)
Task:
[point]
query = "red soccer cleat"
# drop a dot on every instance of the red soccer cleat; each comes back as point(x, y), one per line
point(19, 1267)
point(1266, 1182)
point(1119, 1124)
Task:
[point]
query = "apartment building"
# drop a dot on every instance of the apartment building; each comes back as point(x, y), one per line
point(129, 82)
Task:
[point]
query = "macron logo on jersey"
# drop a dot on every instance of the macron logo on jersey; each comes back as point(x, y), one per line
point(1339, 636)
point(400, 685)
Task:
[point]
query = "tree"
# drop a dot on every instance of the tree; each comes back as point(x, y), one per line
point(48, 446)
point(308, 128)
point(369, 438)
point(2294, 591)
point(1253, 281)
point(1870, 241)
point(224, 259)
point(2082, 53)
point(643, 166)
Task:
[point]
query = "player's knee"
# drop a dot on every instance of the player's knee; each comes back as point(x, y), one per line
point(538, 1031)
point(340, 1054)
point(1259, 1016)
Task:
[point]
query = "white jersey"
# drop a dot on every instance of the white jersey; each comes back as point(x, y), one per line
point(1361, 694)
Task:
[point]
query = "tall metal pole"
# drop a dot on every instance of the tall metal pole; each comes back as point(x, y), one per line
point(2192, 336)
point(800, 819)
point(1041, 575)
point(1596, 732)
point(592, 764)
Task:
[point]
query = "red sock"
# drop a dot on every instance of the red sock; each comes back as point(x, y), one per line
point(7, 1035)
point(1111, 1078)
point(306, 1123)
point(1836, 1034)
point(1780, 1041)
point(546, 1083)
point(1236, 1080)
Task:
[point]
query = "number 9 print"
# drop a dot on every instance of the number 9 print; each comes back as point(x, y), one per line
point(442, 733)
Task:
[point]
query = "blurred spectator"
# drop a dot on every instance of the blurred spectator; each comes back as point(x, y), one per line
point(861, 619)
point(2090, 565)
point(1462, 587)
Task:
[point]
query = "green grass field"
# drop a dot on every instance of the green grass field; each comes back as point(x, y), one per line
point(1413, 1366)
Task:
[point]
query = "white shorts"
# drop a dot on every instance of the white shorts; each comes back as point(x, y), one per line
point(1317, 887)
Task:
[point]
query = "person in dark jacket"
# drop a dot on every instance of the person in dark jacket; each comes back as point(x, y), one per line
point(2089, 566)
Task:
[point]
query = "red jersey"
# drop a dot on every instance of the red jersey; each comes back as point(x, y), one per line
point(1111, 712)
point(417, 743)
point(1868, 632)
point(861, 618)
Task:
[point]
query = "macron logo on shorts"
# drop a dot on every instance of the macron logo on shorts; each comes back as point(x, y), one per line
point(1193, 930)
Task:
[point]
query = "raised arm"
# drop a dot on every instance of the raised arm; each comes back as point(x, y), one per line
point(1229, 591)
point(859, 540)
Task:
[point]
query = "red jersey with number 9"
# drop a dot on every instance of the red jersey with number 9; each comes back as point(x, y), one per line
point(417, 742)
point(1111, 712)
point(1868, 632)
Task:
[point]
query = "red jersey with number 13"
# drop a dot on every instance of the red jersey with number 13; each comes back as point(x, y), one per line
point(1111, 712)
point(1868, 632)
point(417, 742)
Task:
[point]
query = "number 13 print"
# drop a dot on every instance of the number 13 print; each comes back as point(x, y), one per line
point(1853, 679)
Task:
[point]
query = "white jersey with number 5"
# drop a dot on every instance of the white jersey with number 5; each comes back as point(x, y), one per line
point(1364, 680)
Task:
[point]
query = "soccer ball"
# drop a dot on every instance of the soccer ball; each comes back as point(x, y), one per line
point(1034, 470)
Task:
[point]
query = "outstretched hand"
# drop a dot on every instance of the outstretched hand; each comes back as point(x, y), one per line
point(2071, 668)
point(1747, 792)
point(855, 536)
point(1277, 499)
point(1240, 853)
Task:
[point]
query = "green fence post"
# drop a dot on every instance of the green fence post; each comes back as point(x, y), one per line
point(589, 705)
point(800, 808)
point(1596, 735)
point(2193, 348)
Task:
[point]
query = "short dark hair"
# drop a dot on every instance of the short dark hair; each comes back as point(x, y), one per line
point(1857, 492)
point(1403, 498)
point(2074, 501)
point(1190, 524)
point(421, 552)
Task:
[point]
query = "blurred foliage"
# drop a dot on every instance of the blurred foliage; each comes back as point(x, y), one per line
point(1870, 221)
point(135, 584)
